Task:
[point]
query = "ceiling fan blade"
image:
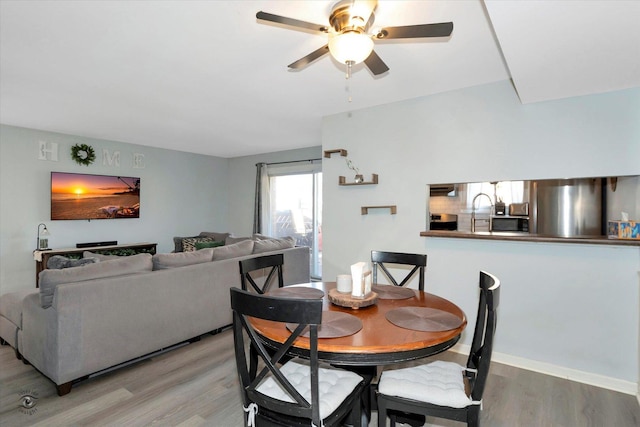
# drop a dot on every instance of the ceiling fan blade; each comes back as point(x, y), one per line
point(375, 64)
point(296, 23)
point(300, 63)
point(442, 29)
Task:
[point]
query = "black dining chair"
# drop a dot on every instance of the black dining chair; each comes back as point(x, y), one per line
point(299, 392)
point(251, 269)
point(418, 261)
point(438, 389)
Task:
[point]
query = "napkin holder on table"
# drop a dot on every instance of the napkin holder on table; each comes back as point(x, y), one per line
point(361, 280)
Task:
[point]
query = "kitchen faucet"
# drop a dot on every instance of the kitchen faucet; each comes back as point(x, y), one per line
point(473, 211)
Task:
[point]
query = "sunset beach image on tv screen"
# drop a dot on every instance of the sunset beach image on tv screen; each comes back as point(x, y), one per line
point(84, 196)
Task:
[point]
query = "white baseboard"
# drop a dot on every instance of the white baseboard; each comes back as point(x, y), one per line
point(597, 380)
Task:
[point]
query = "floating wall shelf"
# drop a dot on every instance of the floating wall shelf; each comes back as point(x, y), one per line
point(343, 181)
point(364, 210)
point(342, 152)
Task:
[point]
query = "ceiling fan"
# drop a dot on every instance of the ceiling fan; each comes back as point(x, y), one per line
point(349, 41)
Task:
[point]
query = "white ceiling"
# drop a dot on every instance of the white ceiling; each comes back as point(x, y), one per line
point(206, 77)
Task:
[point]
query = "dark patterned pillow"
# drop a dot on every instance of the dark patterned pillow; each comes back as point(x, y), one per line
point(189, 244)
point(177, 242)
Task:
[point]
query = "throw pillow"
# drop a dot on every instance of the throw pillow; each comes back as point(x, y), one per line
point(204, 245)
point(80, 262)
point(177, 242)
point(235, 250)
point(216, 236)
point(99, 257)
point(180, 259)
point(189, 244)
point(49, 279)
point(268, 245)
point(58, 262)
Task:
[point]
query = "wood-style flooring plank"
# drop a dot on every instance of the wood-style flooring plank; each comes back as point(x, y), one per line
point(73, 415)
point(195, 421)
point(196, 385)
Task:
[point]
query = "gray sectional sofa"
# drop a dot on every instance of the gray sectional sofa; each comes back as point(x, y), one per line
point(86, 319)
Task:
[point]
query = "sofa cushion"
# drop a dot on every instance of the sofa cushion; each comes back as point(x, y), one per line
point(268, 245)
point(258, 236)
point(204, 245)
point(232, 240)
point(235, 250)
point(219, 237)
point(49, 279)
point(11, 305)
point(180, 259)
point(58, 261)
point(177, 242)
point(99, 257)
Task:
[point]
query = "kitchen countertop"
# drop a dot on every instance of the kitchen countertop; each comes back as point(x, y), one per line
point(526, 237)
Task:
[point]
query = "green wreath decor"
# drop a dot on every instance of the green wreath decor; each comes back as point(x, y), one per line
point(83, 154)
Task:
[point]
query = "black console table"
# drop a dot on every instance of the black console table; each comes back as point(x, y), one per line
point(41, 257)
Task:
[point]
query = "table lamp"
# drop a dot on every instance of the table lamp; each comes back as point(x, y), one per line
point(42, 244)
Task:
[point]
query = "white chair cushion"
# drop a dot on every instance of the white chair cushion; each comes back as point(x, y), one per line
point(334, 385)
point(439, 383)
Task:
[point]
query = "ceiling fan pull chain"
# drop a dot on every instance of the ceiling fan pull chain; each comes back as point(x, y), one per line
point(348, 77)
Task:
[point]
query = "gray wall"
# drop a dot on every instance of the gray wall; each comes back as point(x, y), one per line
point(566, 309)
point(181, 194)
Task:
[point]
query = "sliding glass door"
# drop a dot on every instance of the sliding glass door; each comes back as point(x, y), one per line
point(294, 207)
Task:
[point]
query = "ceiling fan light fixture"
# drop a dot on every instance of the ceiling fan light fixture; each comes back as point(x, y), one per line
point(350, 40)
point(350, 46)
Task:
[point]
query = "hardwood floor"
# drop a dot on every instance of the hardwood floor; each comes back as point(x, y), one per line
point(196, 385)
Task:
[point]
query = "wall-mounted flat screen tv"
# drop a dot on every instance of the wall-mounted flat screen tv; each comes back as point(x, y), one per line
point(84, 196)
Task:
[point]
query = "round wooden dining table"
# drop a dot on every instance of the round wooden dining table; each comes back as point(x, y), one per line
point(378, 341)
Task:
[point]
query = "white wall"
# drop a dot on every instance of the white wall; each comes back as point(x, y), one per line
point(242, 183)
point(181, 194)
point(566, 307)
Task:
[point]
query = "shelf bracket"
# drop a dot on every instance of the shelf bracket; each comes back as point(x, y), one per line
point(341, 151)
point(343, 180)
point(364, 210)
